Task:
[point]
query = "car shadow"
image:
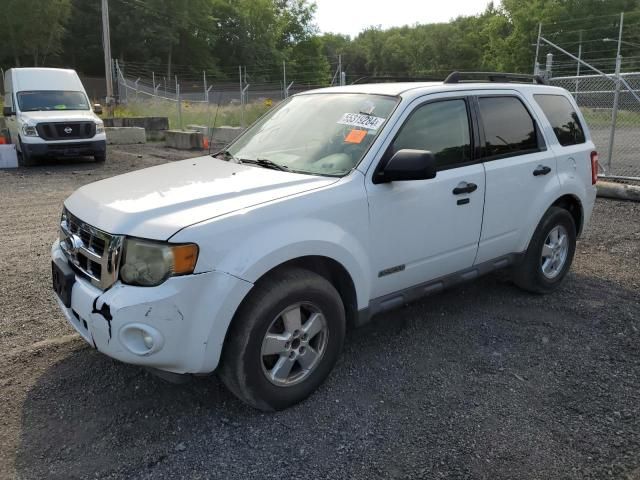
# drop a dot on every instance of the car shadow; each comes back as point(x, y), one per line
point(464, 371)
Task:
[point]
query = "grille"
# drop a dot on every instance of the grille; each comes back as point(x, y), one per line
point(66, 130)
point(92, 253)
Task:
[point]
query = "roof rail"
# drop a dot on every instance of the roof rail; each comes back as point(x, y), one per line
point(385, 79)
point(460, 77)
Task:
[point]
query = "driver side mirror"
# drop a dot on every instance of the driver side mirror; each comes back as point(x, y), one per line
point(408, 165)
point(97, 109)
point(7, 111)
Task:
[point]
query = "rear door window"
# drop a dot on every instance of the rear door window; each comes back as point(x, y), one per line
point(563, 118)
point(509, 129)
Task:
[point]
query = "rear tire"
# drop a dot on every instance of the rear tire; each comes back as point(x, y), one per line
point(284, 339)
point(24, 159)
point(550, 253)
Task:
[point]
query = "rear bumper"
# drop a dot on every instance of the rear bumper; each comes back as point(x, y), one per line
point(71, 149)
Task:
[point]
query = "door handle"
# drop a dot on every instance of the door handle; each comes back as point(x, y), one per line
point(541, 170)
point(465, 187)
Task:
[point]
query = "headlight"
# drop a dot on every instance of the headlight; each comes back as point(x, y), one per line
point(99, 128)
point(29, 131)
point(147, 263)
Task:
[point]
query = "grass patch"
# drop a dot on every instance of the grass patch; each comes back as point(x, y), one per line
point(601, 117)
point(193, 113)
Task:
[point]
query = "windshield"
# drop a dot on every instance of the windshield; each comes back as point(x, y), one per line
point(52, 100)
point(322, 134)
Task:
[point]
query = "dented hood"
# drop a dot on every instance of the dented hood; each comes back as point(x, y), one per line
point(156, 202)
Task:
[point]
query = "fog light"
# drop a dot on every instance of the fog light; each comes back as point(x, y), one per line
point(148, 341)
point(141, 339)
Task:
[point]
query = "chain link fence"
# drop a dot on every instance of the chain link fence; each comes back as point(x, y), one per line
point(613, 115)
point(205, 101)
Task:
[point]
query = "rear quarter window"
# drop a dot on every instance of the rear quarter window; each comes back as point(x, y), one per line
point(563, 119)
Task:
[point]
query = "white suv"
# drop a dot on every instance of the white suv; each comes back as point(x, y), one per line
point(337, 205)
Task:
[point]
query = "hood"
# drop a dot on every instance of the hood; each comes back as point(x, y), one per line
point(59, 116)
point(156, 202)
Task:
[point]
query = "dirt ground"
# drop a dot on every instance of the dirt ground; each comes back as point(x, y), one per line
point(483, 381)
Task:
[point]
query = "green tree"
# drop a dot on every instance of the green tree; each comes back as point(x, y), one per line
point(35, 30)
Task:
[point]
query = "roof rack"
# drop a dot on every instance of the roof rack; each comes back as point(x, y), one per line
point(385, 79)
point(461, 77)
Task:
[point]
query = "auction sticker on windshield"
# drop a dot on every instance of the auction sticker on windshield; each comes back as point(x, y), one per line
point(361, 120)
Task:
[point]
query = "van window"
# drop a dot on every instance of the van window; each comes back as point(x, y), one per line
point(52, 100)
point(563, 118)
point(508, 127)
point(442, 128)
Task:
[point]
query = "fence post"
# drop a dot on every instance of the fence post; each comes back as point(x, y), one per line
point(616, 97)
point(535, 62)
point(136, 84)
point(179, 101)
point(241, 98)
point(285, 92)
point(204, 82)
point(549, 65)
point(578, 68)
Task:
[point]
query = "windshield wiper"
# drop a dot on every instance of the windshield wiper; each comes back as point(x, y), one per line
point(265, 163)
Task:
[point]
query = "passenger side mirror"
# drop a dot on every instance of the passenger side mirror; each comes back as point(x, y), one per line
point(408, 165)
point(97, 109)
point(8, 111)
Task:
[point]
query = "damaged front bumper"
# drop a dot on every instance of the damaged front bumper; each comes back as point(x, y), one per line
point(177, 327)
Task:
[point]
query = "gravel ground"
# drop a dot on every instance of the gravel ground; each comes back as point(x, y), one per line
point(483, 381)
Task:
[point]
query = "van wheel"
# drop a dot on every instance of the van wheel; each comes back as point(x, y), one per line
point(100, 157)
point(284, 340)
point(24, 159)
point(550, 253)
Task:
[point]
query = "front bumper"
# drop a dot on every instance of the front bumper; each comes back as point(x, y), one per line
point(65, 149)
point(186, 319)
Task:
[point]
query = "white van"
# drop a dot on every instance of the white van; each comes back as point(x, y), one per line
point(49, 114)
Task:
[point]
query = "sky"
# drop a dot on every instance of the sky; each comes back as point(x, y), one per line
point(352, 16)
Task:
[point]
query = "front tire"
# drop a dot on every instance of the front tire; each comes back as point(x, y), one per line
point(24, 158)
point(284, 340)
point(100, 157)
point(550, 253)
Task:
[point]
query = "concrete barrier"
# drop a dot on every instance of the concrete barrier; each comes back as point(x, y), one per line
point(226, 134)
point(618, 191)
point(218, 135)
point(155, 127)
point(184, 140)
point(125, 135)
point(8, 156)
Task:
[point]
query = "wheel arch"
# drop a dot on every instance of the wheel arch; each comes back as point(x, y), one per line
point(572, 204)
point(330, 269)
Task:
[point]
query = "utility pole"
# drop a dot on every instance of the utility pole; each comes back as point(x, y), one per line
point(106, 43)
point(616, 96)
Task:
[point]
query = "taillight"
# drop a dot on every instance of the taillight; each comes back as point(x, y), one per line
point(594, 167)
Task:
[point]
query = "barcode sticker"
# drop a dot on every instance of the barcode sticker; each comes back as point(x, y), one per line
point(362, 121)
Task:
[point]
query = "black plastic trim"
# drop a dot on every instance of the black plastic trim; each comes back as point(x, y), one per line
point(493, 77)
point(416, 292)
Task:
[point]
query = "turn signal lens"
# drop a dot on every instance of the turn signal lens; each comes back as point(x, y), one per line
point(184, 258)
